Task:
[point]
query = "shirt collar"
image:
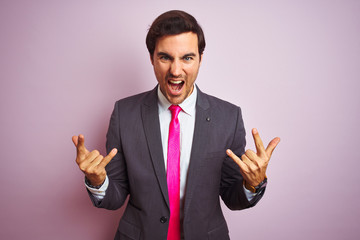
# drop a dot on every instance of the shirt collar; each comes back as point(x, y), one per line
point(187, 106)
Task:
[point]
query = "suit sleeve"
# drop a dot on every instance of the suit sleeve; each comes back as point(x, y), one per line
point(118, 188)
point(231, 187)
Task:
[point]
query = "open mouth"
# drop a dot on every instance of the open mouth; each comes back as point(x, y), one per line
point(175, 85)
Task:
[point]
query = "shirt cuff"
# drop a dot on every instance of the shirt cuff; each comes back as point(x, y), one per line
point(99, 194)
point(249, 195)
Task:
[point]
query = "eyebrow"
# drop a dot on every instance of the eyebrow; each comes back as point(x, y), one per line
point(189, 55)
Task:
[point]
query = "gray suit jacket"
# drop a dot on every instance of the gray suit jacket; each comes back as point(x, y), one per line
point(138, 169)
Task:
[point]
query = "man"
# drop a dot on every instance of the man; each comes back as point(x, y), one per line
point(169, 148)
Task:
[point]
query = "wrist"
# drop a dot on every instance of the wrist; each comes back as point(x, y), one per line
point(256, 189)
point(96, 186)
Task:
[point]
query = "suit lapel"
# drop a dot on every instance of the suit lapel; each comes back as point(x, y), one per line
point(150, 118)
point(201, 132)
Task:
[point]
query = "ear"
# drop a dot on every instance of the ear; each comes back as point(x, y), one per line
point(201, 58)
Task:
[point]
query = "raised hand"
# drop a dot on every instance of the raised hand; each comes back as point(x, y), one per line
point(92, 164)
point(253, 165)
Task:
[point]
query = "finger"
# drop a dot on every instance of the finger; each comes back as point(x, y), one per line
point(81, 142)
point(272, 145)
point(108, 158)
point(252, 156)
point(92, 156)
point(242, 165)
point(75, 140)
point(246, 160)
point(86, 160)
point(89, 166)
point(97, 160)
point(260, 150)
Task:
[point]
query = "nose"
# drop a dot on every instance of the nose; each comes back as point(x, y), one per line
point(175, 68)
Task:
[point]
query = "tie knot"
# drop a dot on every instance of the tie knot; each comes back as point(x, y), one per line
point(175, 109)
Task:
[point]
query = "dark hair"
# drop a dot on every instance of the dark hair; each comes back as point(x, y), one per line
point(172, 23)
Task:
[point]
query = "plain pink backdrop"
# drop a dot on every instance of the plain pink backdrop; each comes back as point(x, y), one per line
point(293, 67)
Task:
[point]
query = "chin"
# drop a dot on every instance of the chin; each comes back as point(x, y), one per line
point(176, 100)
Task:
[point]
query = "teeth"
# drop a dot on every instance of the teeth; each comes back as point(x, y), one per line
point(175, 82)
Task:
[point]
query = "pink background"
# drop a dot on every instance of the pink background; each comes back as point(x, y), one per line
point(293, 67)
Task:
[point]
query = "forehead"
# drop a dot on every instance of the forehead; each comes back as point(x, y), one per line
point(180, 43)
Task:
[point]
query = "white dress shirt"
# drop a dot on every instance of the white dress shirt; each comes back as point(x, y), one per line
point(187, 124)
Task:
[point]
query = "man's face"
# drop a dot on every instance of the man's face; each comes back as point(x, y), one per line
point(176, 64)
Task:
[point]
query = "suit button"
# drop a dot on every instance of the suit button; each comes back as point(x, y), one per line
point(163, 219)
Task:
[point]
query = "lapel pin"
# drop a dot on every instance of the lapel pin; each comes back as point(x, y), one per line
point(208, 119)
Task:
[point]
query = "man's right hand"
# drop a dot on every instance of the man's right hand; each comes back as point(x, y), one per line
point(92, 164)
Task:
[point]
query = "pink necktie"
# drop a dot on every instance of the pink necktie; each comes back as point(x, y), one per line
point(173, 174)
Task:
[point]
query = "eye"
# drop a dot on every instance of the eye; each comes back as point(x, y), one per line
point(165, 58)
point(188, 58)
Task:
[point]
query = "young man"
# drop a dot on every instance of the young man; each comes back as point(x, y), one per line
point(169, 148)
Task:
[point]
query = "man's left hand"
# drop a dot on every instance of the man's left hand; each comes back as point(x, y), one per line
point(253, 165)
